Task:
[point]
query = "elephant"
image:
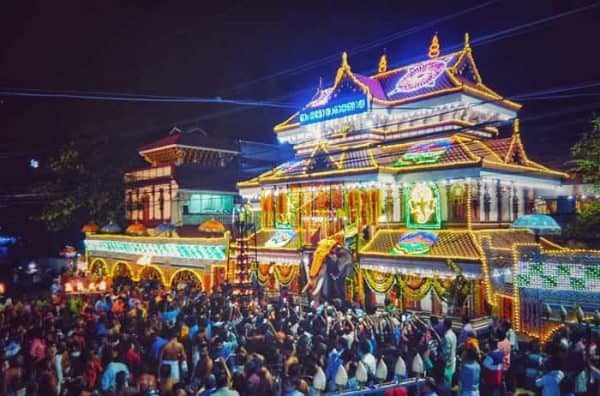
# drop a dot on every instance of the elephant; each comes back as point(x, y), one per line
point(332, 264)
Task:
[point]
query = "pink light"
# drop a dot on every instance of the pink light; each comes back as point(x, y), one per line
point(420, 76)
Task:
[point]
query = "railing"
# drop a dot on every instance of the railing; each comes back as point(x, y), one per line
point(147, 174)
point(379, 389)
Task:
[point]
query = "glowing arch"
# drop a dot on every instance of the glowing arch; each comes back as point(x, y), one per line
point(149, 269)
point(180, 275)
point(122, 268)
point(99, 267)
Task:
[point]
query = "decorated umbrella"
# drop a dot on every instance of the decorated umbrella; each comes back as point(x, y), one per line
point(90, 228)
point(136, 228)
point(212, 226)
point(165, 227)
point(540, 224)
point(110, 228)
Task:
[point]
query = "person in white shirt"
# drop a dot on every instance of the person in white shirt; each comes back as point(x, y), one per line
point(449, 351)
point(368, 359)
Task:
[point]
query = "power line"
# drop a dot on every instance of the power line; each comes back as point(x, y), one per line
point(362, 47)
point(505, 33)
point(124, 97)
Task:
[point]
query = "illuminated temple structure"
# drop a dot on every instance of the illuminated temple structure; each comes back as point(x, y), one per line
point(180, 206)
point(409, 162)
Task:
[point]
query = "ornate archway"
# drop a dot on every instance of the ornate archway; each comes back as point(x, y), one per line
point(122, 269)
point(99, 267)
point(151, 272)
point(187, 277)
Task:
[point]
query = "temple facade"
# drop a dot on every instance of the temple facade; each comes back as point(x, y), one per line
point(407, 169)
point(179, 207)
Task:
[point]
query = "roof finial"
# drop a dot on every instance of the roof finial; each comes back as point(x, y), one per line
point(467, 41)
point(434, 47)
point(516, 127)
point(320, 83)
point(343, 67)
point(383, 63)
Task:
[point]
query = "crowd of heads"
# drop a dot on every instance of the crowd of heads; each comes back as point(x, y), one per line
point(147, 340)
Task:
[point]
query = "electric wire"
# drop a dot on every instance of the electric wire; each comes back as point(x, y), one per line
point(363, 47)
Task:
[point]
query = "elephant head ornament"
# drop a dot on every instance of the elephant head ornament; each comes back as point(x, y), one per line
point(332, 263)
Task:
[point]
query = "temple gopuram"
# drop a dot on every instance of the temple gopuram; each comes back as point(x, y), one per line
point(403, 192)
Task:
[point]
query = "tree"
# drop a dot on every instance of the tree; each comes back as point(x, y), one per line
point(83, 182)
point(586, 153)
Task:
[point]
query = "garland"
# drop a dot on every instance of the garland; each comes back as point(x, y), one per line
point(263, 273)
point(285, 274)
point(417, 293)
point(424, 288)
point(379, 282)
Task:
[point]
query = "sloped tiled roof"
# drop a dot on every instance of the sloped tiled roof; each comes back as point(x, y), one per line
point(193, 140)
point(505, 239)
point(450, 244)
point(456, 153)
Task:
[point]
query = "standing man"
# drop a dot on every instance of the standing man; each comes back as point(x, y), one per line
point(173, 355)
point(449, 352)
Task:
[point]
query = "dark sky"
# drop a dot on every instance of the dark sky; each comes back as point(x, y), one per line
point(207, 49)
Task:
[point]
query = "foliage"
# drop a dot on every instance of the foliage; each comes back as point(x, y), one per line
point(82, 182)
point(586, 153)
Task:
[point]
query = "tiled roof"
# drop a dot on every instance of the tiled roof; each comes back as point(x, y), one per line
point(499, 146)
point(456, 153)
point(505, 239)
point(192, 139)
point(458, 244)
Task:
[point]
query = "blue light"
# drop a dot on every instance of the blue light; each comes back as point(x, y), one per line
point(34, 164)
point(330, 111)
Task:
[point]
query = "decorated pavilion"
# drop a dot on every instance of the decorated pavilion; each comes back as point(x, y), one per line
point(410, 163)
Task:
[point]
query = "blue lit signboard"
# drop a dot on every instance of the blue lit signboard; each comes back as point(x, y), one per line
point(341, 108)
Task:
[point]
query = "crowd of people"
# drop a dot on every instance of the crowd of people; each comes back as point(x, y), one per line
point(146, 340)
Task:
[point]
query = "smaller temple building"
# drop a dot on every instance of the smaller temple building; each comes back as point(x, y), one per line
point(180, 208)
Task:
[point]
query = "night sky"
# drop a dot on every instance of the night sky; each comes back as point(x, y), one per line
point(210, 49)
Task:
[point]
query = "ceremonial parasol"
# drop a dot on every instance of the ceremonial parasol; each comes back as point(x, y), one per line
point(540, 224)
point(213, 226)
point(165, 227)
point(136, 229)
point(110, 228)
point(90, 228)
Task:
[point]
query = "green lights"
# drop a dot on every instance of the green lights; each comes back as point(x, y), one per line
point(167, 250)
point(553, 275)
point(424, 153)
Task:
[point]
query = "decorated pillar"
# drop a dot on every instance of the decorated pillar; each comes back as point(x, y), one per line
point(487, 201)
point(450, 202)
point(499, 201)
point(475, 199)
point(401, 203)
point(515, 204)
point(389, 203)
